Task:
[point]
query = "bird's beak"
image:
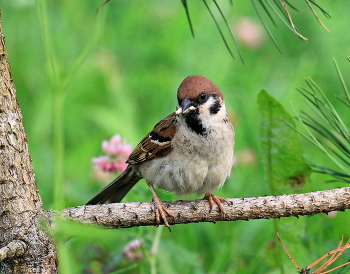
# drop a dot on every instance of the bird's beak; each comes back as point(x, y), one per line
point(185, 104)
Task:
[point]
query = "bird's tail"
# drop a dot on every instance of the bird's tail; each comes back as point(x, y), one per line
point(116, 190)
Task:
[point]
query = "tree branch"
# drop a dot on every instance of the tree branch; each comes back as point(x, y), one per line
point(122, 215)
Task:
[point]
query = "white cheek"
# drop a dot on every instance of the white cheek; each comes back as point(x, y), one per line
point(209, 119)
point(204, 109)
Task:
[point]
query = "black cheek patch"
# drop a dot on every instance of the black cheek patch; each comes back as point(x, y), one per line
point(214, 108)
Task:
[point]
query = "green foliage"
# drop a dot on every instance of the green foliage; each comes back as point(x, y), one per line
point(328, 132)
point(120, 74)
point(278, 8)
point(282, 154)
point(285, 169)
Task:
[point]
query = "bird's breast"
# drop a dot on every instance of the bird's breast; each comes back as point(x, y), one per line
point(196, 164)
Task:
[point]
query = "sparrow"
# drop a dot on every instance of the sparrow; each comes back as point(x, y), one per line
point(189, 151)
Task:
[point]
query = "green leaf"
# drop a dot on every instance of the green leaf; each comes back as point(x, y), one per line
point(286, 170)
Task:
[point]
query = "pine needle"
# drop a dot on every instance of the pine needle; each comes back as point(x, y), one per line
point(219, 29)
point(184, 3)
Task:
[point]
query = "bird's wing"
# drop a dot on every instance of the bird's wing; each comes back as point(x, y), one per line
point(157, 143)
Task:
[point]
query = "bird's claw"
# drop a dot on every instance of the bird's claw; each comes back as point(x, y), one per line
point(160, 211)
point(215, 199)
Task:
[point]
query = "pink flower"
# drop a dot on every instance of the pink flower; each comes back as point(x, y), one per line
point(249, 33)
point(99, 160)
point(124, 149)
point(105, 146)
point(119, 166)
point(115, 161)
point(115, 140)
point(133, 250)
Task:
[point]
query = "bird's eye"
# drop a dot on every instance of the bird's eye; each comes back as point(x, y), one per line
point(202, 96)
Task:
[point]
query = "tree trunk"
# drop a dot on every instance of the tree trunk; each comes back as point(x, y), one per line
point(24, 247)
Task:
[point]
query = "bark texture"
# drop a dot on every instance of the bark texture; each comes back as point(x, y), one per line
point(24, 247)
point(142, 214)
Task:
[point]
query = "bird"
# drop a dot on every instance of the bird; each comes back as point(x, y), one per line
point(188, 152)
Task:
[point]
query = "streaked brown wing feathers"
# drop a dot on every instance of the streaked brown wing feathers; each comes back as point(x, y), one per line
point(157, 143)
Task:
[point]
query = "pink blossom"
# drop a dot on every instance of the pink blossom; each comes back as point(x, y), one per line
point(117, 154)
point(249, 33)
point(99, 160)
point(119, 166)
point(133, 250)
point(105, 146)
point(112, 149)
point(124, 149)
point(115, 140)
point(108, 167)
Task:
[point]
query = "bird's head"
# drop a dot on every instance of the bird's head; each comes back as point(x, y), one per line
point(198, 95)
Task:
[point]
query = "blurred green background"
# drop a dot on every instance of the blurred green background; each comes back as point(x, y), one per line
point(121, 69)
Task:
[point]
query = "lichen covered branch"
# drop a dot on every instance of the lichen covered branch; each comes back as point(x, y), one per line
point(122, 215)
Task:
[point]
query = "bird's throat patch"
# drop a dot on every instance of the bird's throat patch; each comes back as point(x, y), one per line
point(195, 124)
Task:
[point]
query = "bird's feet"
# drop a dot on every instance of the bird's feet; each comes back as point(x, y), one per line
point(161, 211)
point(215, 199)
